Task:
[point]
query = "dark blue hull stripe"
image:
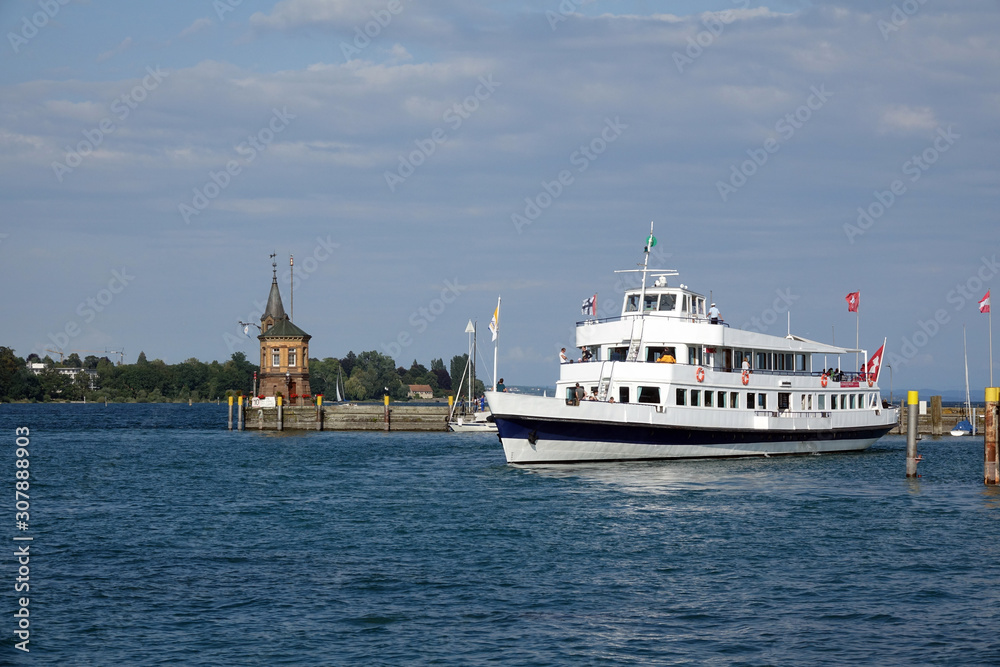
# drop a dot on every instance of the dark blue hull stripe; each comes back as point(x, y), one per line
point(649, 434)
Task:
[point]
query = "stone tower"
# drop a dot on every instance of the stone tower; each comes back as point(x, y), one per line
point(284, 351)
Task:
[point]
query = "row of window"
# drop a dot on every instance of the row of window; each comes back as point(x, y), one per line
point(293, 357)
point(666, 303)
point(758, 400)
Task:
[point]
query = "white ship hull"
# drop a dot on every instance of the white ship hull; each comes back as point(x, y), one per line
point(546, 430)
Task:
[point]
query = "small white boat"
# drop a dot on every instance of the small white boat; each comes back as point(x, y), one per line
point(473, 416)
point(963, 427)
point(478, 422)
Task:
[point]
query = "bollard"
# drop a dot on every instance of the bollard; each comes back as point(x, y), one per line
point(990, 438)
point(385, 421)
point(239, 414)
point(281, 415)
point(912, 415)
point(230, 413)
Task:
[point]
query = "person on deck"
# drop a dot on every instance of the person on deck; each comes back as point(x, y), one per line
point(563, 359)
point(714, 314)
point(500, 386)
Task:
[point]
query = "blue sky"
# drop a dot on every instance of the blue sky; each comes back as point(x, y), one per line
point(150, 162)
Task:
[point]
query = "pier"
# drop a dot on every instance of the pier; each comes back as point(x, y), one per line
point(938, 420)
point(348, 417)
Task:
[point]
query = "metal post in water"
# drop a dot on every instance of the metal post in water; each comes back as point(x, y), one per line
point(239, 414)
point(230, 413)
point(385, 424)
point(281, 415)
point(990, 439)
point(319, 412)
point(912, 414)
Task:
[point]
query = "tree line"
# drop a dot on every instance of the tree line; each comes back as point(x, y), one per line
point(364, 376)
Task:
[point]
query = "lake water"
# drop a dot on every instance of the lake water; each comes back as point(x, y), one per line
point(161, 538)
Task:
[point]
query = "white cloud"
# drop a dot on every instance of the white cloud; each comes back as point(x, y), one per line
point(904, 119)
point(121, 48)
point(197, 26)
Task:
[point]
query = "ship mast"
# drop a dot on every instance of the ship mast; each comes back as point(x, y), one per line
point(650, 242)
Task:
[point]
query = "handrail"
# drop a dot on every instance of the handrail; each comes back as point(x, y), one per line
point(845, 376)
point(693, 319)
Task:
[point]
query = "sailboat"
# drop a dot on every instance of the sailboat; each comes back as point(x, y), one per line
point(965, 426)
point(476, 417)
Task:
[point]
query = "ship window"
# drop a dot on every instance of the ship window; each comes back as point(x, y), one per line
point(852, 402)
point(721, 400)
point(684, 303)
point(802, 398)
point(668, 301)
point(696, 397)
point(650, 302)
point(657, 353)
point(701, 307)
point(623, 394)
point(800, 362)
point(784, 400)
point(734, 399)
point(709, 398)
point(843, 401)
point(750, 397)
point(762, 401)
point(821, 402)
point(632, 303)
point(694, 355)
point(649, 394)
point(833, 401)
point(681, 396)
point(617, 353)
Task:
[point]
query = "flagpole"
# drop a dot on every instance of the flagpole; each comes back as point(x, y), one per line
point(991, 347)
point(496, 344)
point(857, 330)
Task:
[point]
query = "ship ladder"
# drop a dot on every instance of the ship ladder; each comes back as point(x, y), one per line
point(636, 343)
point(602, 392)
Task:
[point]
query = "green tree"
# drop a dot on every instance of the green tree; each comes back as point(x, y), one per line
point(439, 371)
point(73, 361)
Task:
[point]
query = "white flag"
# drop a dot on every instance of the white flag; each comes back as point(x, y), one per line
point(495, 322)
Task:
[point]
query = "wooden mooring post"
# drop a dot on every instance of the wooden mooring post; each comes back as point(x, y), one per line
point(937, 428)
point(990, 463)
point(912, 415)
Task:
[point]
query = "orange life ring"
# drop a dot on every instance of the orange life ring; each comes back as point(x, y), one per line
point(871, 382)
point(823, 379)
point(746, 377)
point(699, 374)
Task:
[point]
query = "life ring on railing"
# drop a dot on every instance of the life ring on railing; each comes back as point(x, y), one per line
point(823, 379)
point(746, 377)
point(871, 382)
point(699, 374)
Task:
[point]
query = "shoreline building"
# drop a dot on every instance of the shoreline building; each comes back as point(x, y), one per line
point(284, 351)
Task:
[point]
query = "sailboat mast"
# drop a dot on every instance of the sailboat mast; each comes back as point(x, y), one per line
point(968, 401)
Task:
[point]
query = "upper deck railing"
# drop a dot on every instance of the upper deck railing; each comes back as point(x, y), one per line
point(680, 318)
point(836, 376)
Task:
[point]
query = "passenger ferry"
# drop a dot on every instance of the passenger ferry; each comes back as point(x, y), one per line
point(665, 382)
